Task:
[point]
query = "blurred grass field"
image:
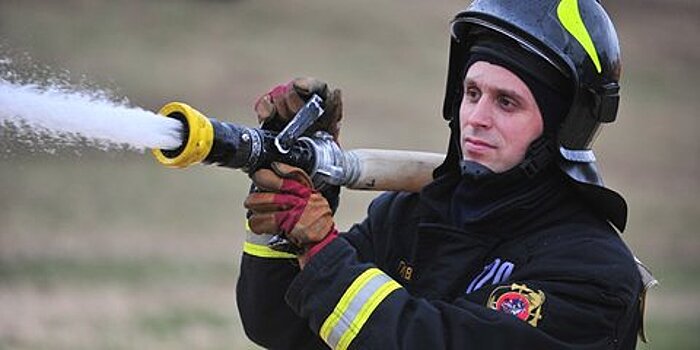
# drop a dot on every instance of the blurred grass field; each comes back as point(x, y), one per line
point(111, 251)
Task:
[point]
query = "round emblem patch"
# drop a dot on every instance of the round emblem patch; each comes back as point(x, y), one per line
point(518, 300)
point(515, 304)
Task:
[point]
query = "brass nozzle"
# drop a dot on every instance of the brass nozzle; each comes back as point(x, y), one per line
point(198, 137)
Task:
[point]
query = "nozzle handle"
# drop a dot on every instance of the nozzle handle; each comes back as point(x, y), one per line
point(306, 117)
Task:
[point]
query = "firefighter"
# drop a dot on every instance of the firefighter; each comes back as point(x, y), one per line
point(516, 242)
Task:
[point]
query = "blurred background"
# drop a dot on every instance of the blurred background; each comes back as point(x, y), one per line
point(112, 251)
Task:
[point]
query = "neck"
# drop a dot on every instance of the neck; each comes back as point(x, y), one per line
point(502, 198)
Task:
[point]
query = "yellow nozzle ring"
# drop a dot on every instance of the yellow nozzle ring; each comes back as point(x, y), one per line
point(199, 140)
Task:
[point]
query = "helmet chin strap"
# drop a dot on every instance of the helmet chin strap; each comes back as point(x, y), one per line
point(538, 156)
point(474, 170)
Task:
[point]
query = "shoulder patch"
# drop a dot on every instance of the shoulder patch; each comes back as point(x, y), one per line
point(518, 300)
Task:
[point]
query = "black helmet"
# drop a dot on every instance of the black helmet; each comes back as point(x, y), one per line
point(578, 39)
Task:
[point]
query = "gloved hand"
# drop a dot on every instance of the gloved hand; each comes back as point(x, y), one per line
point(290, 205)
point(277, 107)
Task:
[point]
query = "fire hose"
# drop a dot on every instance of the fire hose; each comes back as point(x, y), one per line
point(230, 145)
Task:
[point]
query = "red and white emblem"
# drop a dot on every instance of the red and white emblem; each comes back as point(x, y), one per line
point(515, 304)
point(518, 300)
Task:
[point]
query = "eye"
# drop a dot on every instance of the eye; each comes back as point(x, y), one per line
point(507, 103)
point(472, 94)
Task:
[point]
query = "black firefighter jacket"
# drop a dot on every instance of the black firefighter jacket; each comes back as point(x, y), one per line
point(548, 275)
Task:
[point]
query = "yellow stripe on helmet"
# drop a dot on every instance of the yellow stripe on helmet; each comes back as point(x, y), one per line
point(570, 17)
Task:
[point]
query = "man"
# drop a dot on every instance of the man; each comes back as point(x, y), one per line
point(514, 243)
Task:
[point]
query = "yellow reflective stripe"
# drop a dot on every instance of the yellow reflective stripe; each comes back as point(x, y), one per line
point(570, 17)
point(366, 312)
point(251, 246)
point(345, 300)
point(263, 251)
point(355, 307)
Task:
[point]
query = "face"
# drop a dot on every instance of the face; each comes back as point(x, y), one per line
point(499, 117)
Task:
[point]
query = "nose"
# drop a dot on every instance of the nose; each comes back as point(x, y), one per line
point(476, 114)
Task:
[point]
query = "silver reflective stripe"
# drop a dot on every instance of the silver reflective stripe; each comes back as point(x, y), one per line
point(577, 155)
point(257, 245)
point(251, 237)
point(353, 309)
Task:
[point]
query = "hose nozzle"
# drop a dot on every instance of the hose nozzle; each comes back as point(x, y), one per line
point(198, 137)
point(230, 145)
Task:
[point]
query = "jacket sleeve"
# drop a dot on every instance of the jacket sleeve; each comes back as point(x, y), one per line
point(267, 319)
point(265, 277)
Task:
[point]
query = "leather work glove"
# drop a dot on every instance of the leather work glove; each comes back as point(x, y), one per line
point(290, 205)
point(277, 107)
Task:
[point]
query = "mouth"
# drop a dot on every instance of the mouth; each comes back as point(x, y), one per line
point(474, 144)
